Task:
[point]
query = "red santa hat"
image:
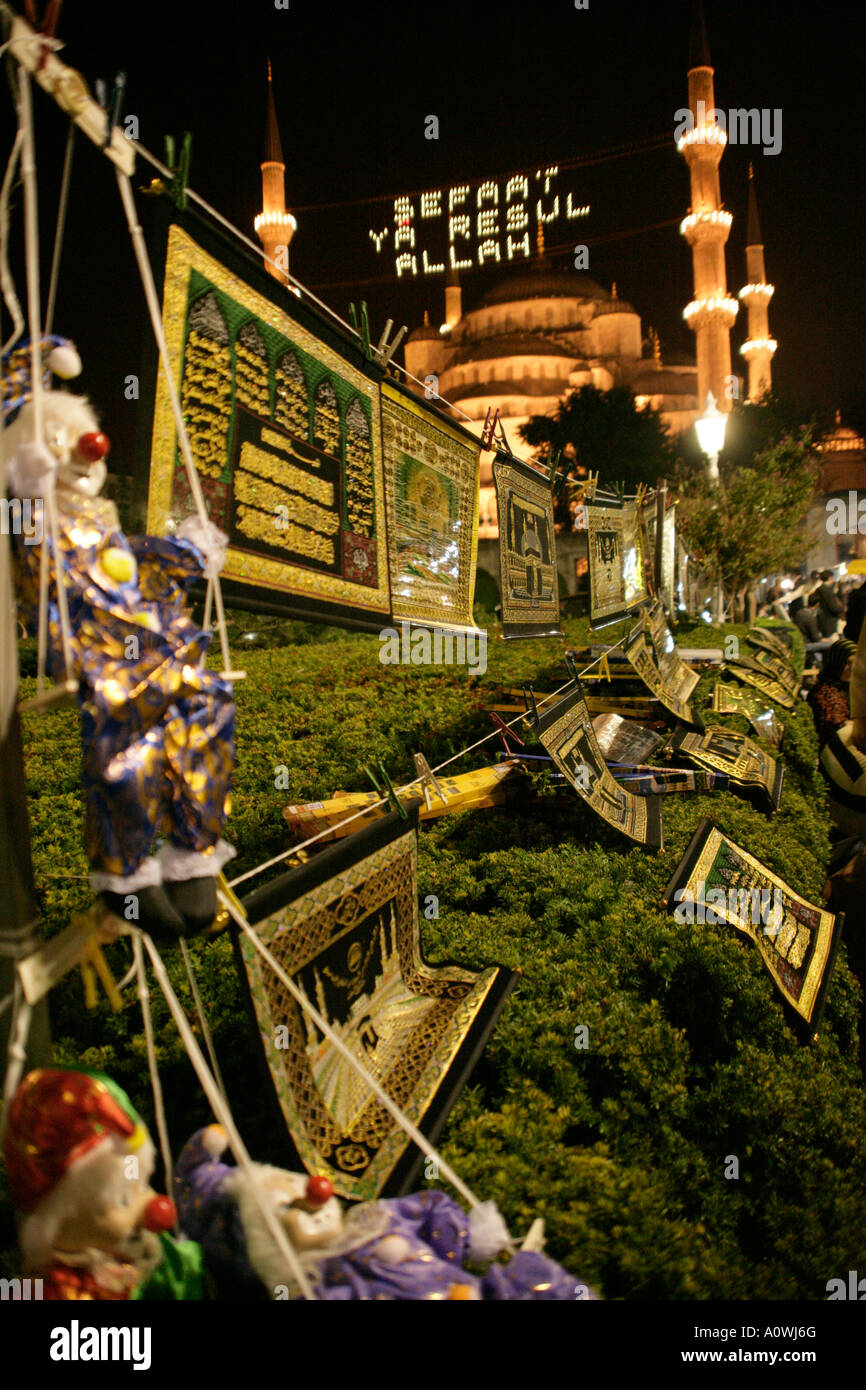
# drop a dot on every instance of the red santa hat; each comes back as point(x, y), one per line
point(60, 1123)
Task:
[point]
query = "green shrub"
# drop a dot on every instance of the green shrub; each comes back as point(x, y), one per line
point(621, 1146)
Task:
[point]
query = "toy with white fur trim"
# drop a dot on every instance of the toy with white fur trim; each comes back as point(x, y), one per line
point(157, 726)
point(404, 1248)
point(80, 1161)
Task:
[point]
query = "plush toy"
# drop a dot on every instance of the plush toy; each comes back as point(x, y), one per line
point(157, 727)
point(404, 1248)
point(79, 1162)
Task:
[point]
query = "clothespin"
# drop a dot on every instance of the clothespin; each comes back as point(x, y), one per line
point(111, 105)
point(531, 706)
point(604, 668)
point(176, 189)
point(99, 965)
point(429, 781)
point(361, 325)
point(571, 667)
point(388, 791)
point(505, 733)
point(640, 495)
point(385, 351)
point(488, 432)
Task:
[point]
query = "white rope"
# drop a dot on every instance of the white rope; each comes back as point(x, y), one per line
point(19, 1031)
point(336, 1041)
point(223, 1114)
point(8, 284)
point(31, 253)
point(202, 1016)
point(60, 227)
point(155, 311)
point(155, 1083)
point(374, 806)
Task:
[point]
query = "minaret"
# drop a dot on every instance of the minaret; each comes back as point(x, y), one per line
point(759, 347)
point(711, 313)
point(274, 226)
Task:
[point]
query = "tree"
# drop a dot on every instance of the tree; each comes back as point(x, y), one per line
point(604, 432)
point(753, 521)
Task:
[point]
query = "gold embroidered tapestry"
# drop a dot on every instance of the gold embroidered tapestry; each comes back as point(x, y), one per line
point(717, 881)
point(285, 434)
point(431, 481)
point(652, 651)
point(529, 583)
point(617, 582)
point(345, 928)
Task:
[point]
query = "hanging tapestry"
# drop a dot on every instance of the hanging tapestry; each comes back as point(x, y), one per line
point(345, 929)
point(527, 550)
point(750, 673)
point(771, 642)
point(653, 653)
point(669, 552)
point(617, 582)
point(750, 770)
point(717, 882)
point(431, 479)
point(566, 732)
point(730, 699)
point(284, 429)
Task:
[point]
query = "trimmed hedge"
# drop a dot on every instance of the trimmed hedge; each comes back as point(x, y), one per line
point(623, 1146)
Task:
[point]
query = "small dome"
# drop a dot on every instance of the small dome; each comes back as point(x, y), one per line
point(544, 284)
point(425, 332)
point(614, 306)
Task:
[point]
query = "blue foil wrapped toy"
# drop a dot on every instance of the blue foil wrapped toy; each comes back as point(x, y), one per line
point(157, 726)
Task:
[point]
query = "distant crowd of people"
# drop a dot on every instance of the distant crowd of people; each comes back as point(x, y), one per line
point(820, 605)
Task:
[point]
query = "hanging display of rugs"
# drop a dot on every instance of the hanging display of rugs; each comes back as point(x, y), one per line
point(528, 579)
point(669, 550)
point(345, 928)
point(617, 581)
point(730, 699)
point(776, 667)
point(750, 770)
point(717, 881)
point(653, 653)
point(566, 731)
point(284, 428)
point(431, 478)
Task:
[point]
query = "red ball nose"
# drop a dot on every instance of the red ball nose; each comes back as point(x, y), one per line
point(319, 1191)
point(160, 1214)
point(93, 446)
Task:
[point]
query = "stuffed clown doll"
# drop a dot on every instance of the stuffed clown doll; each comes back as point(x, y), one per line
point(79, 1162)
point(157, 726)
point(404, 1248)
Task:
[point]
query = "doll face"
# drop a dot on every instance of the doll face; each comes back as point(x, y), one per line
point(116, 1228)
point(308, 1230)
point(70, 430)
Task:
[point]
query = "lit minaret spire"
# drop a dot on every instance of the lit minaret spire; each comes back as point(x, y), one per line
point(711, 313)
point(275, 226)
point(759, 347)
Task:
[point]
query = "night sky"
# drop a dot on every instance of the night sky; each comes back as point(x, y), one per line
point(515, 87)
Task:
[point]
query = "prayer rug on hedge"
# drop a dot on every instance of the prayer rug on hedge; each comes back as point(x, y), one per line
point(776, 668)
point(345, 928)
point(750, 770)
point(716, 881)
point(752, 674)
point(652, 652)
point(566, 731)
point(529, 583)
point(431, 479)
point(730, 699)
point(284, 427)
point(617, 582)
point(770, 641)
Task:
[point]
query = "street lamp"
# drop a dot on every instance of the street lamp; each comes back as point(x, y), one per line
point(710, 428)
